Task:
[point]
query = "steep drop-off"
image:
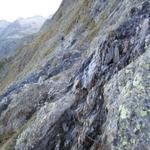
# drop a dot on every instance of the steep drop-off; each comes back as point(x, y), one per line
point(83, 83)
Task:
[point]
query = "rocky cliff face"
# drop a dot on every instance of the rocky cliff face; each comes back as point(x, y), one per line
point(83, 83)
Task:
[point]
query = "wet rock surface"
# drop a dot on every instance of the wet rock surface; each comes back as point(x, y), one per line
point(99, 104)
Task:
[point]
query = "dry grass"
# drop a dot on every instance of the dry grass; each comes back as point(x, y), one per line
point(9, 139)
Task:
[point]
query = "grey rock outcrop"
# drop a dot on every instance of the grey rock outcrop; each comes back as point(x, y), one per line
point(127, 101)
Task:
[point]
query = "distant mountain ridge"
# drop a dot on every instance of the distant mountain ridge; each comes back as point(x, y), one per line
point(18, 33)
point(3, 25)
point(22, 27)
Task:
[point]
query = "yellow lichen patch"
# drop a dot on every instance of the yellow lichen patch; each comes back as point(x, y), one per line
point(123, 112)
point(146, 66)
point(137, 80)
point(126, 90)
point(56, 78)
point(143, 113)
point(124, 143)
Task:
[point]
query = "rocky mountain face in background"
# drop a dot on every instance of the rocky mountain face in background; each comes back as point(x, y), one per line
point(17, 34)
point(83, 83)
point(3, 25)
point(23, 27)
